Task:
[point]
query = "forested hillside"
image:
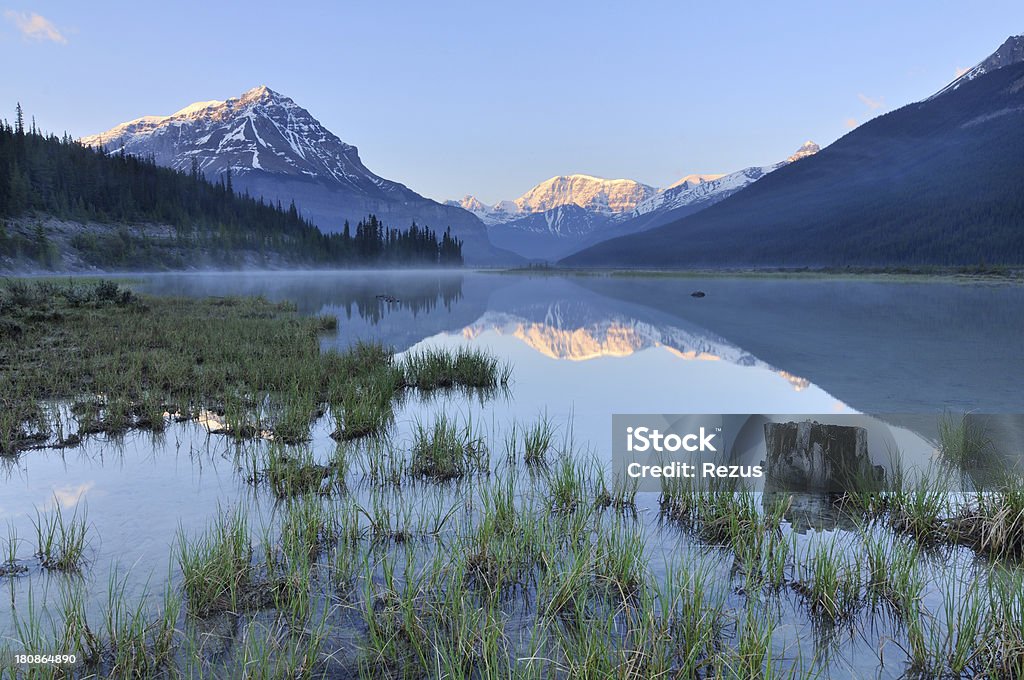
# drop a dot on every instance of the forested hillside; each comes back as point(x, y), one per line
point(134, 214)
point(939, 182)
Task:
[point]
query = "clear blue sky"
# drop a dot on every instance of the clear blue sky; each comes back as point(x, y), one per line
point(491, 98)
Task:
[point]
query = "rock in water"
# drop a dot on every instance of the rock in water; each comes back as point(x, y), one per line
point(811, 456)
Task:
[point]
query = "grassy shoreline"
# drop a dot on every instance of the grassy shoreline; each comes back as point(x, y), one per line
point(123, 361)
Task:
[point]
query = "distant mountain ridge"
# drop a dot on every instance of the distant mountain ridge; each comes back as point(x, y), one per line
point(596, 194)
point(276, 149)
point(564, 214)
point(938, 182)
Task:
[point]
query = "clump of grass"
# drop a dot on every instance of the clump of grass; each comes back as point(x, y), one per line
point(622, 495)
point(537, 441)
point(364, 405)
point(275, 650)
point(23, 422)
point(296, 474)
point(567, 484)
point(10, 565)
point(217, 565)
point(679, 498)
point(307, 528)
point(691, 603)
point(363, 414)
point(61, 544)
point(720, 515)
point(994, 522)
point(620, 561)
point(1004, 650)
point(445, 450)
point(920, 508)
point(894, 574)
point(752, 657)
point(129, 643)
point(299, 411)
point(565, 589)
point(830, 583)
point(952, 642)
point(435, 368)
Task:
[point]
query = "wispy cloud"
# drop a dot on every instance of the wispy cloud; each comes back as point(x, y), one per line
point(35, 26)
point(850, 123)
point(873, 104)
point(960, 70)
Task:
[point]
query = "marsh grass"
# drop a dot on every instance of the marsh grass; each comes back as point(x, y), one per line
point(256, 364)
point(216, 567)
point(446, 450)
point(10, 565)
point(567, 482)
point(894, 574)
point(621, 496)
point(538, 439)
point(1004, 650)
point(721, 515)
point(292, 472)
point(432, 368)
point(508, 571)
point(994, 522)
point(920, 507)
point(61, 542)
point(951, 642)
point(830, 582)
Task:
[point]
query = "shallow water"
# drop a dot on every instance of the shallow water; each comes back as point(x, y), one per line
point(582, 349)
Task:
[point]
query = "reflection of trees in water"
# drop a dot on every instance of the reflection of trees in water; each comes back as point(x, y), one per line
point(415, 295)
point(370, 295)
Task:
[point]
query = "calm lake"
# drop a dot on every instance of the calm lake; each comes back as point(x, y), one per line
point(582, 348)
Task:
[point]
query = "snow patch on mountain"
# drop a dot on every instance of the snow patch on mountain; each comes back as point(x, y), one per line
point(1010, 52)
point(689, 193)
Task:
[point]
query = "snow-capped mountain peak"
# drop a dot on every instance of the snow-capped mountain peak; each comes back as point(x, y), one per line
point(261, 130)
point(691, 181)
point(1010, 52)
point(806, 149)
point(606, 196)
point(276, 149)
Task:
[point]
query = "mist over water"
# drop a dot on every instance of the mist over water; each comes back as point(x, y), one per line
point(865, 345)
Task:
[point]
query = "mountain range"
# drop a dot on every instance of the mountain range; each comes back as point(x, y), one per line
point(938, 182)
point(566, 213)
point(935, 182)
point(276, 149)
